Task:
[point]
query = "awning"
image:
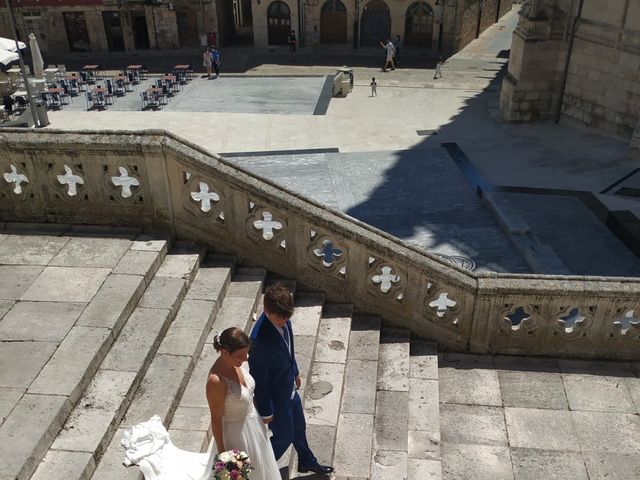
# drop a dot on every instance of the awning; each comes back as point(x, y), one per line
point(10, 44)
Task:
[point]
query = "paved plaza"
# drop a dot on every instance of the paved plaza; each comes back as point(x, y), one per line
point(382, 160)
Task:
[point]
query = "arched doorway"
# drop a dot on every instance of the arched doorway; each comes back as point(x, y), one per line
point(376, 23)
point(278, 23)
point(333, 22)
point(418, 26)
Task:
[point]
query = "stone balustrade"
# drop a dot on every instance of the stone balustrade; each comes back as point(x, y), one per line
point(154, 180)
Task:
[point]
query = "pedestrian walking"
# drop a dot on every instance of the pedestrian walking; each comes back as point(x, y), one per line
point(215, 60)
point(439, 65)
point(293, 45)
point(374, 87)
point(315, 42)
point(207, 61)
point(396, 55)
point(389, 50)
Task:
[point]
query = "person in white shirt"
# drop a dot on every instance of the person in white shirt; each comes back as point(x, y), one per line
point(390, 52)
point(439, 65)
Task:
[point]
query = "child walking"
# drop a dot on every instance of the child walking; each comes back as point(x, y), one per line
point(374, 87)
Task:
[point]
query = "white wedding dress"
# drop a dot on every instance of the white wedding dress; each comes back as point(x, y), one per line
point(148, 444)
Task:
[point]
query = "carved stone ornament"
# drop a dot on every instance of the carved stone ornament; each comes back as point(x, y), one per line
point(71, 180)
point(205, 197)
point(627, 322)
point(328, 253)
point(125, 181)
point(268, 224)
point(385, 279)
point(16, 178)
point(442, 304)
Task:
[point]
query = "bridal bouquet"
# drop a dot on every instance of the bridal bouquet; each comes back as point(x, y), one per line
point(232, 465)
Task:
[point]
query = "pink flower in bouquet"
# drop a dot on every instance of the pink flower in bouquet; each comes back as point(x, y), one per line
point(219, 466)
point(235, 474)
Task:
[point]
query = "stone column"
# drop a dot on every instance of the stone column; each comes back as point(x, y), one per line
point(530, 90)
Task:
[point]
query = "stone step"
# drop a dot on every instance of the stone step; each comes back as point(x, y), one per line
point(323, 393)
point(189, 427)
point(391, 420)
point(352, 450)
point(424, 460)
point(84, 321)
point(95, 418)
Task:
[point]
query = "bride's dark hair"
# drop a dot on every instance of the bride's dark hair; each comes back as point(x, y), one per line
point(231, 339)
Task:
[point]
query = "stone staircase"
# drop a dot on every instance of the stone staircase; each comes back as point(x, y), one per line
point(98, 333)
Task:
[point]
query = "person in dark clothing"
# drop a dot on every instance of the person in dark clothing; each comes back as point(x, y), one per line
point(8, 103)
point(293, 45)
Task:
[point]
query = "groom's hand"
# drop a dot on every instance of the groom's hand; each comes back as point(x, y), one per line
point(298, 382)
point(267, 420)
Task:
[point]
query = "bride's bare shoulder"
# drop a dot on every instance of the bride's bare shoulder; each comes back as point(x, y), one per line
point(215, 382)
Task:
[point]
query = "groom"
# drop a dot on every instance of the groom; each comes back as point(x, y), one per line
point(272, 363)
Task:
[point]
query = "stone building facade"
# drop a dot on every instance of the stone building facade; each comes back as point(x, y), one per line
point(111, 25)
point(578, 60)
point(446, 25)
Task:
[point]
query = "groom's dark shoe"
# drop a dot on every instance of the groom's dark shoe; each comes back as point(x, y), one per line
point(317, 468)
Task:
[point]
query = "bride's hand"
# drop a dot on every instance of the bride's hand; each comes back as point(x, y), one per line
point(267, 420)
point(298, 383)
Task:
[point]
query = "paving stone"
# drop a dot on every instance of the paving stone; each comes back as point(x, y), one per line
point(30, 249)
point(393, 366)
point(469, 386)
point(306, 319)
point(598, 393)
point(388, 464)
point(360, 392)
point(20, 362)
point(595, 367)
point(607, 432)
point(9, 397)
point(424, 444)
point(245, 286)
point(324, 391)
point(364, 338)
point(188, 332)
point(473, 425)
point(392, 403)
point(532, 390)
point(194, 394)
point(136, 262)
point(26, 435)
point(423, 405)
point(352, 456)
point(97, 414)
point(5, 306)
point(159, 392)
point(608, 466)
point(66, 284)
point(26, 320)
point(91, 252)
point(60, 465)
point(333, 340)
point(234, 312)
point(390, 432)
point(543, 429)
point(304, 353)
point(165, 293)
point(633, 384)
point(477, 462)
point(111, 467)
point(210, 283)
point(179, 264)
point(15, 280)
point(146, 243)
point(137, 341)
point(322, 439)
point(74, 364)
point(420, 469)
point(189, 440)
point(191, 418)
point(423, 361)
point(534, 464)
point(114, 302)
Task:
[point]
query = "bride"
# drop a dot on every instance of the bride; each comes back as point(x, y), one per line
point(234, 421)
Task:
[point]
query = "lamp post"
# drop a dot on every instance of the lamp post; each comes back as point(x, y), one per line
point(32, 103)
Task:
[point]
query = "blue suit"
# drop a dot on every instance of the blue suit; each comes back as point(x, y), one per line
point(273, 366)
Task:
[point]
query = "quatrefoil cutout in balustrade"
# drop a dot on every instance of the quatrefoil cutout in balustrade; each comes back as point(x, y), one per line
point(572, 320)
point(626, 322)
point(328, 253)
point(442, 304)
point(517, 318)
point(268, 224)
point(71, 180)
point(16, 178)
point(386, 279)
point(125, 181)
point(205, 197)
